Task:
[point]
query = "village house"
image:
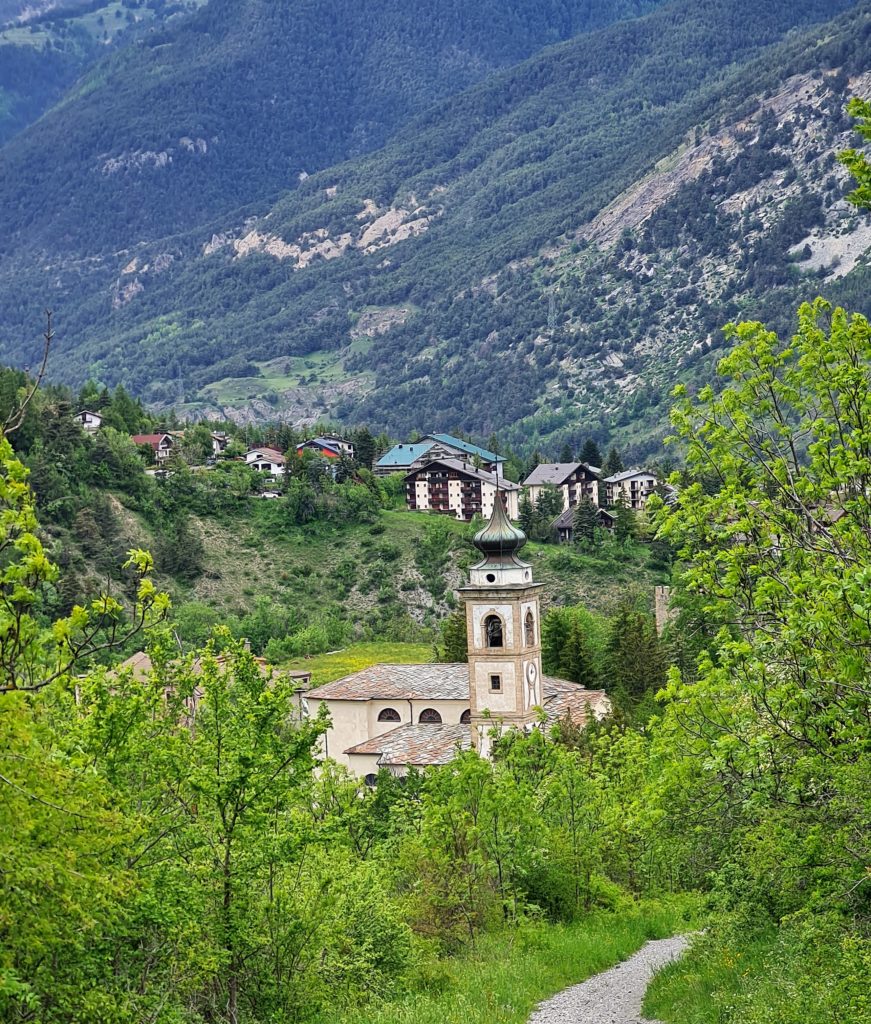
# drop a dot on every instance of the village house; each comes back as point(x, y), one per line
point(634, 485)
point(396, 717)
point(266, 460)
point(455, 488)
point(403, 458)
point(575, 480)
point(162, 445)
point(219, 443)
point(89, 421)
point(329, 447)
point(564, 525)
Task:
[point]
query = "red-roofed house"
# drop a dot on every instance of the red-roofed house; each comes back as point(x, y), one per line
point(160, 444)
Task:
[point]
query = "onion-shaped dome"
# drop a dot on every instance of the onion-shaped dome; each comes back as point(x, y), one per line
point(499, 538)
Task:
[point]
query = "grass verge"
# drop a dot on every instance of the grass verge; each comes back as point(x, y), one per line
point(711, 977)
point(510, 972)
point(327, 667)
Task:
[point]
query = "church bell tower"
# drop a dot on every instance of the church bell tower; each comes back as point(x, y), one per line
point(503, 624)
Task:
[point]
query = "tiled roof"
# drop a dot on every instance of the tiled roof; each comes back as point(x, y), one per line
point(477, 474)
point(577, 704)
point(267, 453)
point(152, 439)
point(403, 455)
point(445, 682)
point(563, 698)
point(399, 682)
point(467, 447)
point(417, 744)
point(554, 473)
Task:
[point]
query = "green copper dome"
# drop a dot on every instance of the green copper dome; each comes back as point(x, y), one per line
point(499, 538)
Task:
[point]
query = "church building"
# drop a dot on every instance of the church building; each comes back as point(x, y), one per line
point(403, 716)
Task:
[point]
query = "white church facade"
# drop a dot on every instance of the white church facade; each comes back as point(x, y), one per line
point(409, 716)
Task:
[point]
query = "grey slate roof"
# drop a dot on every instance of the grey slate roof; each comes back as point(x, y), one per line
point(556, 473)
point(417, 744)
point(447, 682)
point(564, 699)
point(399, 682)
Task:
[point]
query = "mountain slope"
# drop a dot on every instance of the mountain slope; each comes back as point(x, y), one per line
point(238, 101)
point(45, 46)
point(512, 260)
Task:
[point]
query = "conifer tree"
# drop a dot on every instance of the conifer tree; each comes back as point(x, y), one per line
point(454, 641)
point(585, 521)
point(548, 506)
point(590, 453)
point(566, 454)
point(580, 656)
point(625, 526)
point(636, 663)
point(526, 516)
point(613, 462)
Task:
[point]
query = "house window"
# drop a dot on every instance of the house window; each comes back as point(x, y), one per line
point(529, 629)
point(389, 715)
point(466, 717)
point(495, 682)
point(493, 631)
point(430, 716)
point(371, 779)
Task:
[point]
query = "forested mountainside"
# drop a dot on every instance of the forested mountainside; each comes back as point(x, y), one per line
point(45, 45)
point(241, 99)
point(563, 227)
point(420, 271)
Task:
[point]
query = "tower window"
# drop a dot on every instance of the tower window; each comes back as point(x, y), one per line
point(493, 631)
point(466, 717)
point(430, 716)
point(529, 629)
point(389, 715)
point(495, 682)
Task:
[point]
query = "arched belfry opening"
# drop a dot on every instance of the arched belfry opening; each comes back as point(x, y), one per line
point(494, 634)
point(529, 629)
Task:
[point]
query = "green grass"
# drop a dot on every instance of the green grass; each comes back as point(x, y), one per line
point(327, 667)
point(508, 973)
point(699, 988)
point(286, 372)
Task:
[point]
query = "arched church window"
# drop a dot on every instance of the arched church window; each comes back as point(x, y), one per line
point(529, 629)
point(466, 717)
point(493, 631)
point(389, 715)
point(430, 716)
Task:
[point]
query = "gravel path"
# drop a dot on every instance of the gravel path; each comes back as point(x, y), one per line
point(615, 996)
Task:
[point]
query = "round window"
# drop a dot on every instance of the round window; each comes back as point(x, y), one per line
point(490, 577)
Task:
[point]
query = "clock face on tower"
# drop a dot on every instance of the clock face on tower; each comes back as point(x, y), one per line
point(531, 673)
